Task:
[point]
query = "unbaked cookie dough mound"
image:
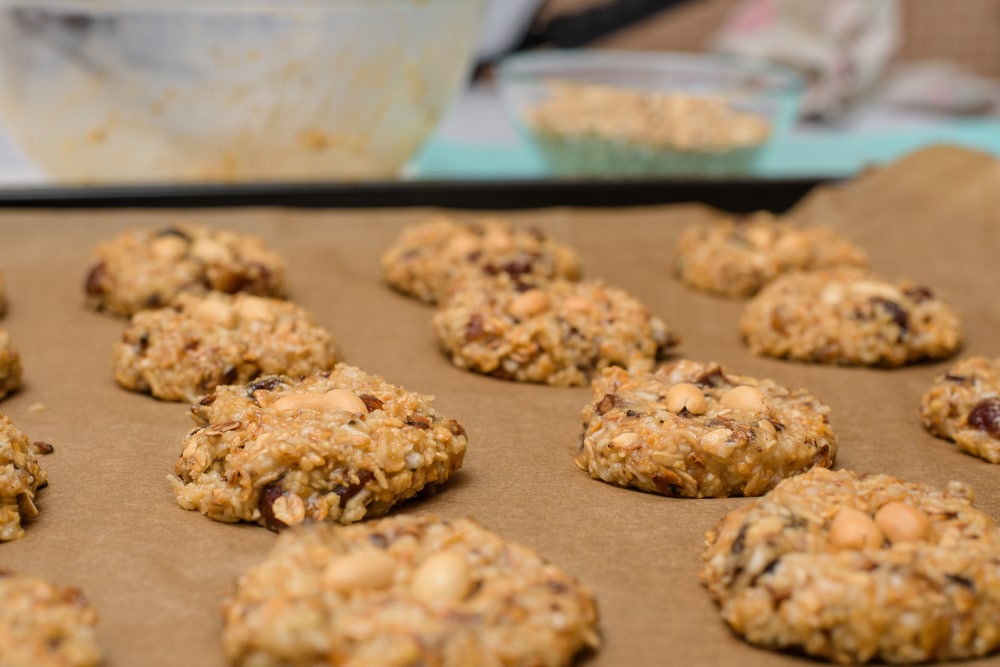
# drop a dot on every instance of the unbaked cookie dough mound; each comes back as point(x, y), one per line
point(20, 478)
point(338, 446)
point(849, 317)
point(558, 333)
point(963, 405)
point(184, 351)
point(406, 591)
point(859, 568)
point(737, 256)
point(147, 268)
point(428, 257)
point(698, 430)
point(11, 371)
point(44, 625)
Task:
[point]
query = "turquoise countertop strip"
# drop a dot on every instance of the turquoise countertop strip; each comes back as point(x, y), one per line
point(820, 153)
point(452, 160)
point(845, 153)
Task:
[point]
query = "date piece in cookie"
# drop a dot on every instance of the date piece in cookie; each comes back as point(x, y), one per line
point(44, 625)
point(558, 333)
point(859, 568)
point(737, 256)
point(184, 351)
point(337, 446)
point(697, 430)
point(11, 372)
point(147, 268)
point(849, 317)
point(20, 479)
point(430, 256)
point(963, 405)
point(406, 590)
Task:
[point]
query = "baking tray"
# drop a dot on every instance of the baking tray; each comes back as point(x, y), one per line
point(157, 574)
point(738, 196)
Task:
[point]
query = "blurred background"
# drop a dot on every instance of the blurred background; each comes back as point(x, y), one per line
point(460, 90)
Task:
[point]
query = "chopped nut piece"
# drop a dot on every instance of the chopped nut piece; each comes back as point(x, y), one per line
point(346, 400)
point(296, 402)
point(364, 570)
point(443, 578)
point(575, 304)
point(686, 396)
point(289, 509)
point(625, 440)
point(168, 248)
point(498, 240)
point(529, 303)
point(255, 308)
point(216, 311)
point(745, 398)
point(854, 529)
point(902, 523)
point(208, 250)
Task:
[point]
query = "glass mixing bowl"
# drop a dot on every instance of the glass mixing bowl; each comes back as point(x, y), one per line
point(629, 114)
point(119, 91)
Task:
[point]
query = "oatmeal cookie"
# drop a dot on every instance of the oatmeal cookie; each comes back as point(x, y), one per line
point(429, 256)
point(147, 268)
point(859, 568)
point(44, 625)
point(337, 446)
point(20, 479)
point(557, 333)
point(848, 316)
point(963, 405)
point(737, 256)
point(406, 590)
point(698, 430)
point(11, 372)
point(184, 351)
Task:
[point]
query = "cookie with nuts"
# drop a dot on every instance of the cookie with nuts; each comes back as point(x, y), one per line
point(11, 371)
point(558, 332)
point(737, 256)
point(698, 430)
point(20, 479)
point(859, 568)
point(428, 257)
point(46, 625)
point(406, 590)
point(147, 268)
point(184, 351)
point(337, 446)
point(963, 405)
point(849, 316)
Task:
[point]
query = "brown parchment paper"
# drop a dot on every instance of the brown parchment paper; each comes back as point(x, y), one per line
point(157, 574)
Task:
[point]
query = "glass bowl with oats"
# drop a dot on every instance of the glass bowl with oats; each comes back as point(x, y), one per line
point(630, 114)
